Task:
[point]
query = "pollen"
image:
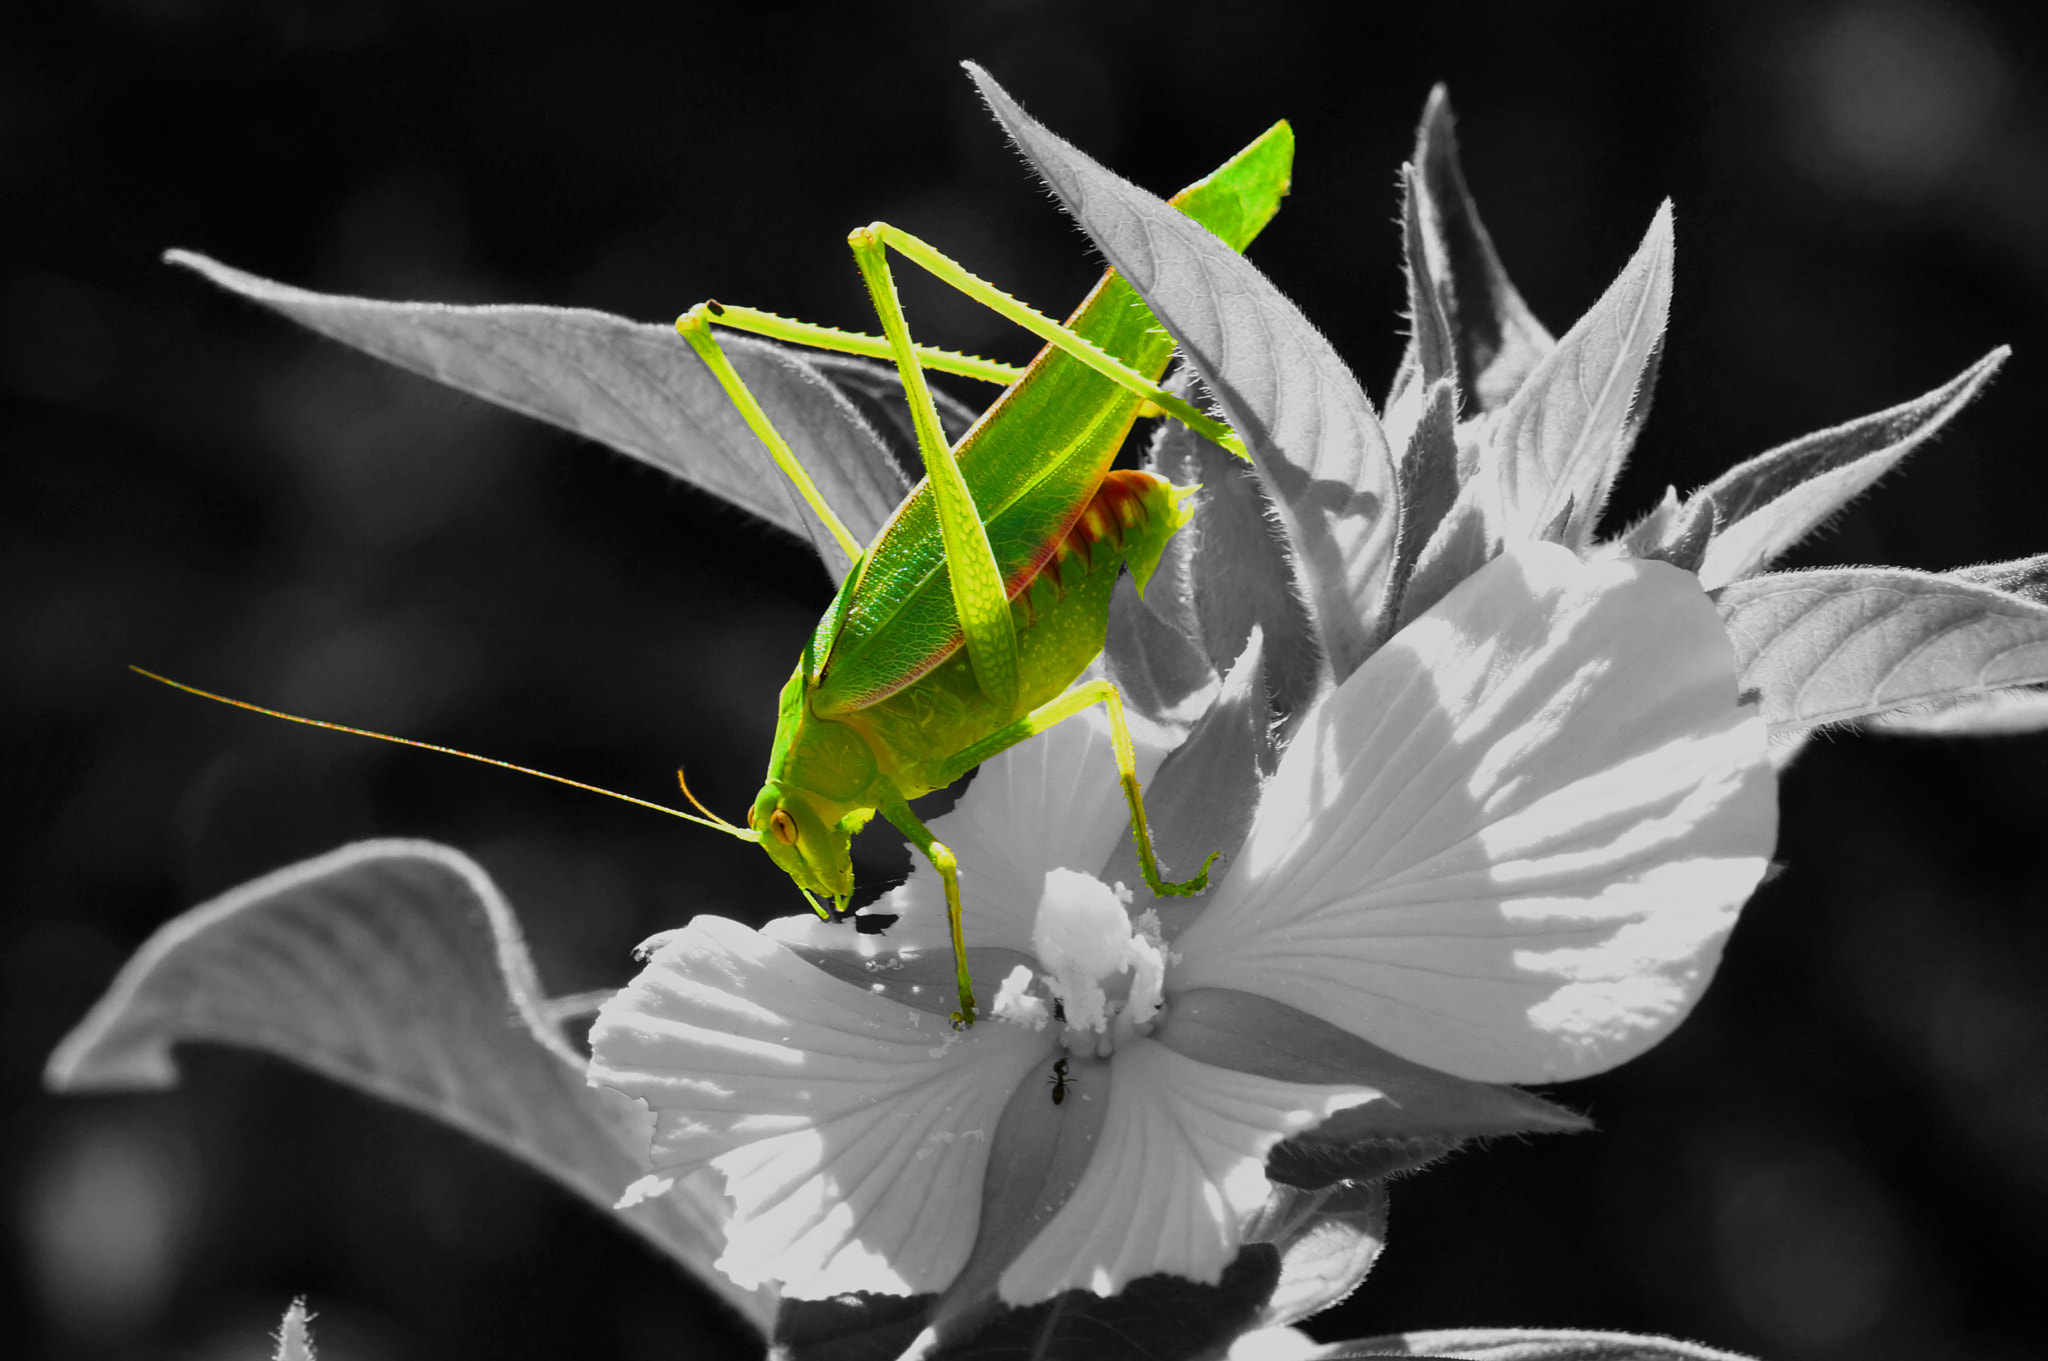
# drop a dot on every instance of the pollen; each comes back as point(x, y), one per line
point(1082, 936)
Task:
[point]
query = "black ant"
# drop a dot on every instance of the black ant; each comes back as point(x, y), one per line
point(1058, 1082)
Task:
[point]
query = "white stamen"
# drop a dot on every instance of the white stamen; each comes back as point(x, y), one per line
point(1148, 988)
point(1084, 936)
point(1081, 937)
point(1016, 1003)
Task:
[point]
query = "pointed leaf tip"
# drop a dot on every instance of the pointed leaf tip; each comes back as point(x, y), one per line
point(1772, 501)
point(1498, 339)
point(1684, 544)
point(295, 1333)
point(1432, 344)
point(1562, 439)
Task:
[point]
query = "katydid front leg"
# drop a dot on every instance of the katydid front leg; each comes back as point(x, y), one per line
point(695, 327)
point(1045, 328)
point(1066, 706)
point(942, 858)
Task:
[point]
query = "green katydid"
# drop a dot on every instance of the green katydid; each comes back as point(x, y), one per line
point(962, 629)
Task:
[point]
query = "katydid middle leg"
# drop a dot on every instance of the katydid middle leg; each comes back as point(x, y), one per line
point(1066, 706)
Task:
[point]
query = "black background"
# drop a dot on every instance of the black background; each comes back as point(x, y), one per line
point(1845, 1152)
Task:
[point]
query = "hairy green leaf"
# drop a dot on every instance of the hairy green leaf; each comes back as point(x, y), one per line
point(1432, 354)
point(397, 968)
point(1525, 1344)
point(1774, 500)
point(1498, 340)
point(1825, 646)
point(2002, 713)
point(1464, 540)
point(1561, 439)
point(1429, 489)
point(1686, 537)
point(1328, 1240)
point(2027, 577)
point(633, 386)
point(1162, 672)
point(1240, 576)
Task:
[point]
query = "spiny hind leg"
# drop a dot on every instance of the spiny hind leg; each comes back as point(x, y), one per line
point(1066, 706)
point(980, 601)
point(948, 866)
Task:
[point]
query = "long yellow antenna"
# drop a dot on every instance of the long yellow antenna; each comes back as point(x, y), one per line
point(698, 804)
point(714, 822)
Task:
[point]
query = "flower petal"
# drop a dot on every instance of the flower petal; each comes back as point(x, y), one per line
point(1050, 803)
point(1178, 1169)
point(852, 1133)
point(1510, 846)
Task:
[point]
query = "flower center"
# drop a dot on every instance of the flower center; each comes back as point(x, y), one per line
point(1084, 938)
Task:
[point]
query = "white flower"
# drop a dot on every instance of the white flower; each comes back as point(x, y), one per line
point(1508, 847)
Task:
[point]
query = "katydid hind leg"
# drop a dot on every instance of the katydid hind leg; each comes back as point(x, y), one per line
point(1064, 707)
point(948, 866)
point(979, 599)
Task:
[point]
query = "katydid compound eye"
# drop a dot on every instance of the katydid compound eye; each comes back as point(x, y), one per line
point(784, 828)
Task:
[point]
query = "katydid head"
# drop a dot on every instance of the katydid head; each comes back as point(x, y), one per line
point(810, 847)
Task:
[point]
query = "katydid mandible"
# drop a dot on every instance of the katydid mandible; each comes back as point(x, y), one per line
point(961, 630)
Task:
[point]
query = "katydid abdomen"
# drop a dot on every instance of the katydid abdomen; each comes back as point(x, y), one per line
point(1061, 614)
